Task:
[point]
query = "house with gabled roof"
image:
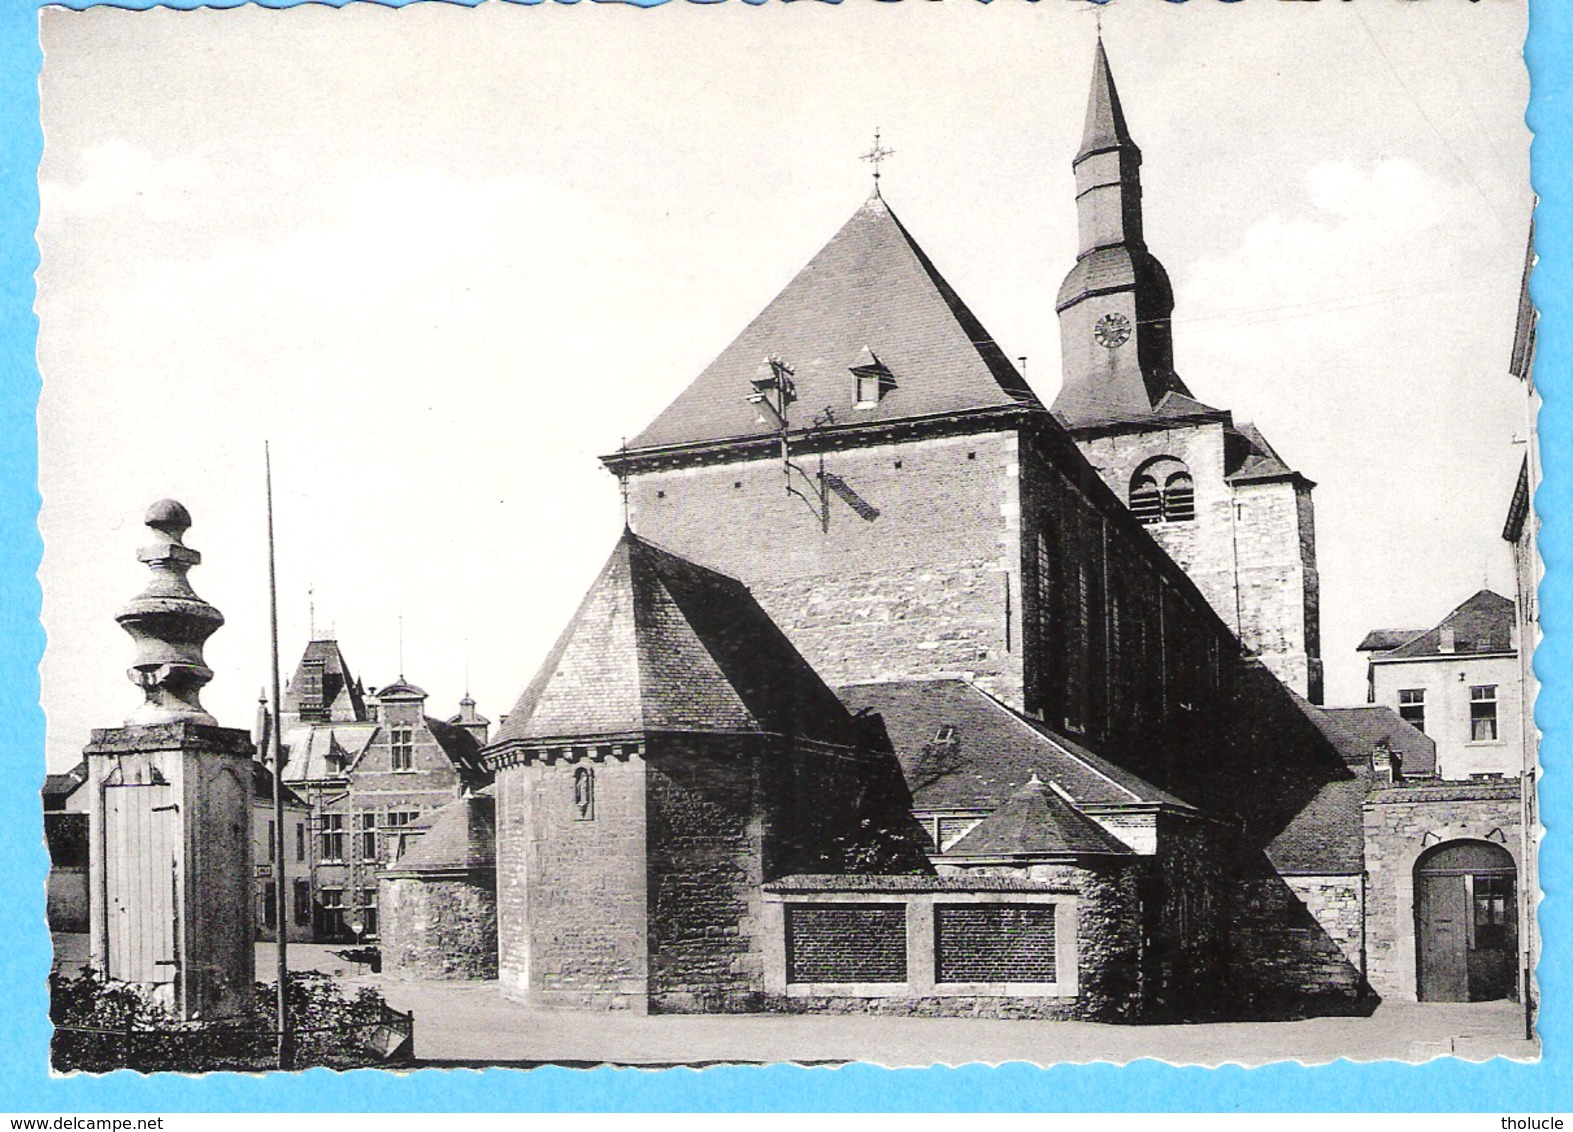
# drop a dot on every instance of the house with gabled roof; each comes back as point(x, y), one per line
point(1460, 682)
point(371, 766)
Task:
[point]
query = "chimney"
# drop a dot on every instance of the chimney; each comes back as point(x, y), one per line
point(1384, 765)
point(1449, 641)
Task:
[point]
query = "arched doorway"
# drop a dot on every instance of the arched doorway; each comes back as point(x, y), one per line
point(1466, 923)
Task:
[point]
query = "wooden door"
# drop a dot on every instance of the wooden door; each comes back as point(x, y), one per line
point(1441, 937)
point(1466, 923)
point(141, 832)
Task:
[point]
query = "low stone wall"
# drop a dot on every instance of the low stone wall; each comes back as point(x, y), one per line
point(439, 927)
point(1077, 929)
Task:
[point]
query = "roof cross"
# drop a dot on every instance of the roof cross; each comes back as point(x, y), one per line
point(875, 155)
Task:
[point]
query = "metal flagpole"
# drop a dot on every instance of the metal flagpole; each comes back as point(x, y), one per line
point(286, 1047)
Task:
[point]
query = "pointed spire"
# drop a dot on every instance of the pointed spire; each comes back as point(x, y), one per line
point(1115, 303)
point(1105, 127)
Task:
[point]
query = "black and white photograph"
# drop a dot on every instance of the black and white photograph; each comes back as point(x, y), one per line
point(914, 534)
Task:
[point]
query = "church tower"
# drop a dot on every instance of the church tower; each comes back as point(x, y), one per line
point(1114, 306)
point(1214, 494)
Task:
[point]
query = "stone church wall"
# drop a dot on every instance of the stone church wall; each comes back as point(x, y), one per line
point(439, 927)
point(705, 872)
point(1187, 973)
point(917, 578)
point(1279, 591)
point(1251, 549)
point(1298, 938)
point(571, 892)
point(1200, 547)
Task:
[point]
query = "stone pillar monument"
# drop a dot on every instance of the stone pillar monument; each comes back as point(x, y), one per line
point(170, 802)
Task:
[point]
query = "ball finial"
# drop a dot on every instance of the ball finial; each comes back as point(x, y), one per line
point(169, 517)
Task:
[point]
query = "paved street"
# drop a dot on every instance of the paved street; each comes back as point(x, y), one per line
point(472, 1024)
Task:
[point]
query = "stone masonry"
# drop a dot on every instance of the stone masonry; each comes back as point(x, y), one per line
point(1400, 824)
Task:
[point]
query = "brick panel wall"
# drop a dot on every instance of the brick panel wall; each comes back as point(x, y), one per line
point(994, 943)
point(846, 943)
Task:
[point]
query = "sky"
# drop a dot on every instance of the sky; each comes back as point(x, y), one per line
point(441, 259)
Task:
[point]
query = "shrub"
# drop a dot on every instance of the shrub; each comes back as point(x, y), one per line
point(102, 1025)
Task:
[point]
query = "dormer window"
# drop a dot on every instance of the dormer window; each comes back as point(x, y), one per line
point(871, 379)
point(1162, 491)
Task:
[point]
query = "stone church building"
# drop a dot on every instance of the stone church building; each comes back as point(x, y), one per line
point(903, 691)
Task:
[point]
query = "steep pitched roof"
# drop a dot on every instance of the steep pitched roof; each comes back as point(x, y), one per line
point(1374, 723)
point(987, 751)
point(462, 748)
point(870, 288)
point(1105, 127)
point(662, 644)
point(262, 787)
point(460, 836)
point(1036, 821)
point(341, 693)
point(1483, 624)
point(1327, 836)
point(1251, 457)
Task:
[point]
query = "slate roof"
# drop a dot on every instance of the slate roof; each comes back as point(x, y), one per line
point(461, 836)
point(871, 287)
point(662, 644)
point(1483, 624)
point(62, 786)
point(1327, 836)
point(992, 753)
point(1381, 640)
point(1251, 457)
point(1518, 508)
point(1105, 127)
point(1037, 822)
point(342, 695)
point(1372, 724)
point(462, 748)
point(262, 786)
point(324, 750)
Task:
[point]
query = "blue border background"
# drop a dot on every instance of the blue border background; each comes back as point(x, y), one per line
point(24, 955)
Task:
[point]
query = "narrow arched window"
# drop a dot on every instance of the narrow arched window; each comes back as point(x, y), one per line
point(1162, 491)
point(584, 794)
point(1179, 498)
point(1146, 500)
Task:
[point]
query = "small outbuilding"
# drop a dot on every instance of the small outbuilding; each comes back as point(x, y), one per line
point(439, 901)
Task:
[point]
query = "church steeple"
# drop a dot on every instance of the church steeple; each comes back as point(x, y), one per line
point(1115, 304)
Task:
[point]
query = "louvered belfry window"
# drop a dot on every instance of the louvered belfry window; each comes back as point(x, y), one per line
point(1162, 491)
